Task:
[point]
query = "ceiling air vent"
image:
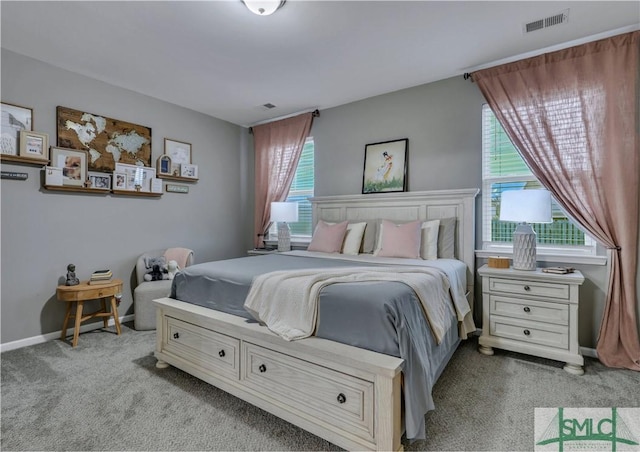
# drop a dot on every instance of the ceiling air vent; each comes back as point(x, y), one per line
point(556, 19)
point(268, 106)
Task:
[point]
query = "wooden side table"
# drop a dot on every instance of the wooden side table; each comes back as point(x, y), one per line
point(83, 292)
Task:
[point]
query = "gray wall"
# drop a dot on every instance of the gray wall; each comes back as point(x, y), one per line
point(443, 123)
point(43, 231)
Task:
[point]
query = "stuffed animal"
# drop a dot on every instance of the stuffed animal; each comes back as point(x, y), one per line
point(156, 268)
point(172, 269)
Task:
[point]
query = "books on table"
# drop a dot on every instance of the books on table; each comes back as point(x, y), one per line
point(101, 277)
point(559, 270)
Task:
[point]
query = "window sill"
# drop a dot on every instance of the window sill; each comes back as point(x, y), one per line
point(564, 258)
point(297, 243)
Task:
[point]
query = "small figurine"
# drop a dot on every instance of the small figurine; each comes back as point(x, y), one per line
point(71, 276)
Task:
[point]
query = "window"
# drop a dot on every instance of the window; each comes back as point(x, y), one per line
point(301, 189)
point(504, 169)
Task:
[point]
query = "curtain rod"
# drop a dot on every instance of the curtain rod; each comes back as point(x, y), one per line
point(468, 75)
point(315, 113)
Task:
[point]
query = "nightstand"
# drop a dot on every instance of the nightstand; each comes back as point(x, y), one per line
point(259, 252)
point(531, 312)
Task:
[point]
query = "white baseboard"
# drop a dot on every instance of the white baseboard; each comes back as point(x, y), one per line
point(56, 335)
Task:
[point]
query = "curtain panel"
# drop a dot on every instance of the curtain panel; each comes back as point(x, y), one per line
point(278, 146)
point(573, 115)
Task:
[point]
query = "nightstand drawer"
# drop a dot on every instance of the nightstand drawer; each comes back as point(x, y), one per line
point(533, 288)
point(532, 332)
point(541, 311)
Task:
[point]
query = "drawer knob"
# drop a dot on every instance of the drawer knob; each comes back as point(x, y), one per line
point(262, 368)
point(527, 332)
point(341, 398)
point(527, 309)
point(221, 353)
point(176, 335)
point(527, 288)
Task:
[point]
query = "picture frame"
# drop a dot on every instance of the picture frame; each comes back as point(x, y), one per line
point(100, 181)
point(73, 163)
point(14, 118)
point(108, 141)
point(180, 153)
point(189, 170)
point(119, 180)
point(385, 167)
point(34, 145)
point(136, 176)
point(163, 165)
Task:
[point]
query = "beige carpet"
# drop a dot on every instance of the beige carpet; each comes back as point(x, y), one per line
point(108, 395)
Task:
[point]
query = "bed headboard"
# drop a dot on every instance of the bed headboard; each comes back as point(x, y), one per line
point(408, 206)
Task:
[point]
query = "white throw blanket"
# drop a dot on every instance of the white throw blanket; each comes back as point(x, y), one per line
point(287, 301)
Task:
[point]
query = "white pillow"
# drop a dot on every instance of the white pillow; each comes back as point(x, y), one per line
point(429, 244)
point(353, 238)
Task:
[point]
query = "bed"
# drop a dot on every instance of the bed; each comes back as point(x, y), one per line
point(365, 376)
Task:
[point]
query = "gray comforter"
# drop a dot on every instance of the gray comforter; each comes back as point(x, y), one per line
point(384, 317)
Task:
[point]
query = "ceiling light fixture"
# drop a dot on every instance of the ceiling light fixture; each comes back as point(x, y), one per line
point(263, 7)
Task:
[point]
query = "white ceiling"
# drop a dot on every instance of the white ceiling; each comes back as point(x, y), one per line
point(217, 58)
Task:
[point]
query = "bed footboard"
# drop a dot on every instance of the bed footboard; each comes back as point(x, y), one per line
point(349, 396)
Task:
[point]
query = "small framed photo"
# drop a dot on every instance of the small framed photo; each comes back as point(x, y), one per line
point(14, 119)
point(188, 170)
point(73, 163)
point(119, 180)
point(180, 153)
point(163, 165)
point(385, 167)
point(34, 145)
point(101, 181)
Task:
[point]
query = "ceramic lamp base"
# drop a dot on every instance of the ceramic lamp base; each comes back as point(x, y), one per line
point(524, 248)
point(284, 237)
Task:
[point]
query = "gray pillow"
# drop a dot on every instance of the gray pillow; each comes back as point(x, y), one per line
point(369, 239)
point(447, 238)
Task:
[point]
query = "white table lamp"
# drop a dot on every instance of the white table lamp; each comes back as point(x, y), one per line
point(283, 213)
point(524, 207)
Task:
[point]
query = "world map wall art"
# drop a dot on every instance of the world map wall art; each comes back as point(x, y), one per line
point(107, 141)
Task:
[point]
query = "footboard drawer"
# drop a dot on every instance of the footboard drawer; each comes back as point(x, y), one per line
point(203, 347)
point(335, 398)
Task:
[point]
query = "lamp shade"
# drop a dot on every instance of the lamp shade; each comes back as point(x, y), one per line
point(284, 212)
point(263, 7)
point(526, 206)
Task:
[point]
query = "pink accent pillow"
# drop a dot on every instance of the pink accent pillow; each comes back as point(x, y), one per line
point(328, 238)
point(401, 240)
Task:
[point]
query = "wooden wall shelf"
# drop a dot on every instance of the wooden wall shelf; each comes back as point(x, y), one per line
point(99, 191)
point(177, 178)
point(146, 194)
point(23, 160)
point(94, 191)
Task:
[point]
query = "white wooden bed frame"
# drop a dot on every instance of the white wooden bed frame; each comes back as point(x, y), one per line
point(349, 396)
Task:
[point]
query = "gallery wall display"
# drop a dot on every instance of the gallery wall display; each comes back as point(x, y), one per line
point(107, 141)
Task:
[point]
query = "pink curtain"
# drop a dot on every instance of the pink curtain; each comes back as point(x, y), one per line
point(278, 146)
point(573, 114)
